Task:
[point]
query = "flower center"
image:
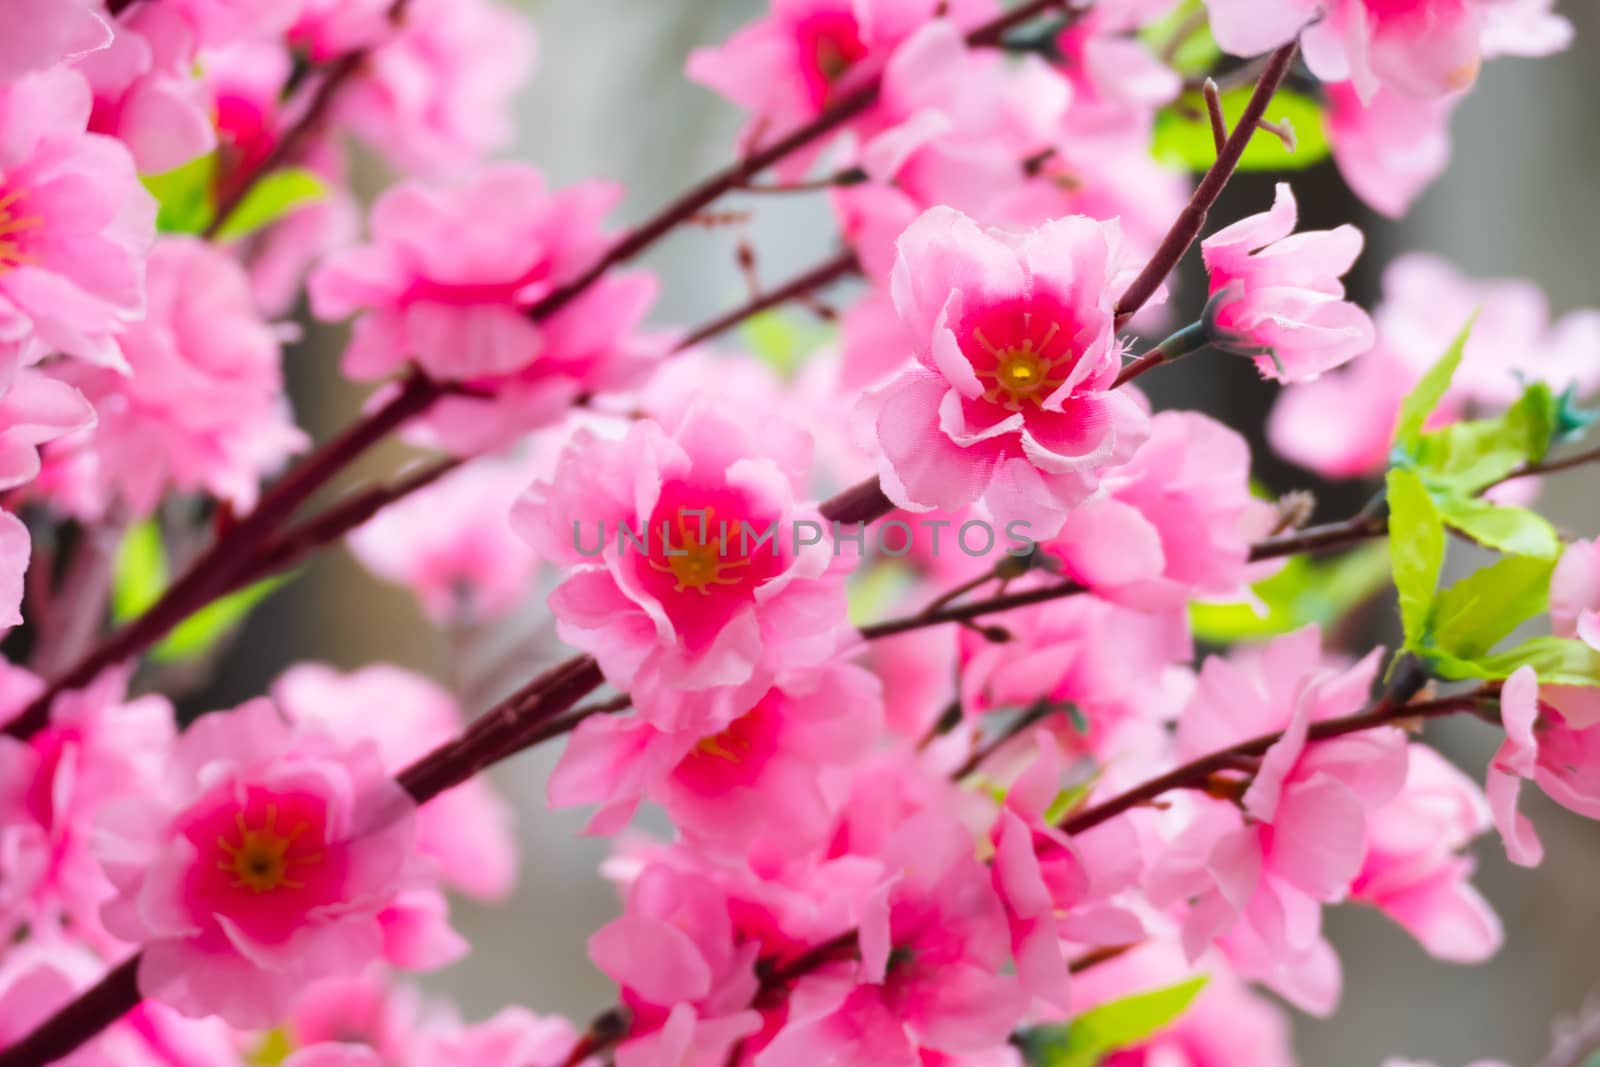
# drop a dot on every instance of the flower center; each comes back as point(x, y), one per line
point(259, 859)
point(731, 745)
point(13, 224)
point(1022, 371)
point(697, 555)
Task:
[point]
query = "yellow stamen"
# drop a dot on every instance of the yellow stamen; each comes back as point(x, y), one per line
point(259, 860)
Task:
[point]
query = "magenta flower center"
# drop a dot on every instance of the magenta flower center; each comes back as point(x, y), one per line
point(15, 223)
point(701, 554)
point(1021, 354)
point(264, 858)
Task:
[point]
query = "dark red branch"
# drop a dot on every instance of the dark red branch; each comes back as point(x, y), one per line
point(822, 274)
point(95, 1008)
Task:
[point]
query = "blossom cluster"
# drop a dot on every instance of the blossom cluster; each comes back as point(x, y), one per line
point(929, 805)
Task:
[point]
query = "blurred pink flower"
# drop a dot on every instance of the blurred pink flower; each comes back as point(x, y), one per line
point(1277, 293)
point(75, 225)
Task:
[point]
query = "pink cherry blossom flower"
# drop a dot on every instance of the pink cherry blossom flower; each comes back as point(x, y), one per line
point(729, 782)
point(391, 1018)
point(933, 941)
point(1175, 522)
point(1415, 871)
point(1278, 293)
point(671, 580)
point(1391, 148)
point(452, 544)
point(1011, 400)
point(1055, 887)
point(97, 748)
point(44, 34)
point(784, 69)
point(466, 831)
point(75, 225)
point(264, 863)
point(437, 96)
point(15, 549)
point(513, 1037)
point(219, 22)
point(204, 407)
point(685, 978)
point(1117, 81)
point(35, 409)
point(447, 280)
point(1423, 48)
point(1256, 885)
point(147, 93)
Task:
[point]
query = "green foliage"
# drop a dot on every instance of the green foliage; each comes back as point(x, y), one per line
point(1197, 53)
point(1416, 551)
point(1183, 132)
point(1557, 660)
point(1472, 455)
point(1119, 1024)
point(196, 635)
point(1422, 400)
point(1303, 591)
point(783, 342)
point(1505, 529)
point(1482, 609)
point(139, 573)
point(187, 198)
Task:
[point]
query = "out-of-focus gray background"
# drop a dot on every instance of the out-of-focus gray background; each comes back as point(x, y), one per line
point(609, 100)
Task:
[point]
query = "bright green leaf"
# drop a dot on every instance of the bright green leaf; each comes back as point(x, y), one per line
point(1468, 456)
point(1416, 551)
point(1476, 613)
point(1514, 531)
point(185, 196)
point(1068, 801)
point(139, 575)
point(1421, 401)
point(781, 341)
point(1119, 1024)
point(1302, 591)
point(270, 199)
point(195, 635)
point(1557, 660)
point(1197, 53)
point(1183, 132)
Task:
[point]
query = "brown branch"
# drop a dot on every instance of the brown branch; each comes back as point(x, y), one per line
point(217, 570)
point(96, 1008)
point(822, 274)
point(1192, 219)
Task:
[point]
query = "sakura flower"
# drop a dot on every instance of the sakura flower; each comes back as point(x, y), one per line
point(146, 90)
point(1560, 750)
point(687, 982)
point(933, 942)
point(1175, 522)
point(448, 279)
point(1257, 884)
point(693, 571)
point(513, 1037)
point(1012, 399)
point(371, 1010)
point(15, 548)
point(219, 22)
point(467, 830)
point(1278, 293)
point(97, 748)
point(452, 544)
point(729, 782)
point(75, 225)
point(35, 409)
point(1424, 48)
point(1415, 871)
point(1056, 887)
point(1390, 148)
point(44, 34)
point(436, 96)
point(785, 68)
point(204, 408)
point(264, 863)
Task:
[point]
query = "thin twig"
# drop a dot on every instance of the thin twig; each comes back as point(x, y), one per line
point(1219, 122)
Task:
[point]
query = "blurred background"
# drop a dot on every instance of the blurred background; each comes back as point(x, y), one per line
point(609, 100)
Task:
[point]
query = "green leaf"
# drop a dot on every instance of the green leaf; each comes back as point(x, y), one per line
point(1302, 591)
point(1416, 551)
point(1421, 401)
point(1183, 132)
point(270, 199)
point(1469, 456)
point(782, 342)
point(1514, 531)
point(1197, 53)
point(1481, 610)
point(199, 632)
point(139, 575)
point(186, 196)
point(1557, 660)
point(1119, 1024)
